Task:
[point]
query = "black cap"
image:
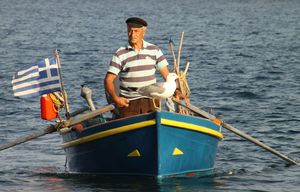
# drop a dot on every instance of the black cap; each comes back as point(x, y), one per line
point(137, 22)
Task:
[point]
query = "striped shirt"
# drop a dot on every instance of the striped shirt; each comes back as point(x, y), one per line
point(137, 68)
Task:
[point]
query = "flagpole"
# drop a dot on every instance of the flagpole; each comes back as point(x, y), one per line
point(62, 85)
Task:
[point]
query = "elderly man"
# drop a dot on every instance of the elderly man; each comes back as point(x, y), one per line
point(135, 64)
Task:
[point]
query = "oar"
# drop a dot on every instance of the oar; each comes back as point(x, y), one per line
point(49, 129)
point(237, 132)
point(53, 128)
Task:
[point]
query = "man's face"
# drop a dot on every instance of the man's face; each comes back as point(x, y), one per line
point(135, 34)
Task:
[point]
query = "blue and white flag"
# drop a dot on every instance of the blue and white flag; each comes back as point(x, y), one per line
point(36, 80)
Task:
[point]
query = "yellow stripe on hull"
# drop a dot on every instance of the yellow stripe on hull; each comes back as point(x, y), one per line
point(193, 127)
point(141, 125)
point(109, 133)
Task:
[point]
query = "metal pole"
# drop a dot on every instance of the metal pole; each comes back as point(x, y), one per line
point(62, 85)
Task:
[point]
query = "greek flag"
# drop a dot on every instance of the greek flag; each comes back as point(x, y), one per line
point(36, 80)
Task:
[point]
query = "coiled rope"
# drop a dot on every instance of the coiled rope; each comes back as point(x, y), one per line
point(58, 99)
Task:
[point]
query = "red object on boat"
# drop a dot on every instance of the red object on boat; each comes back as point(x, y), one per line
point(48, 109)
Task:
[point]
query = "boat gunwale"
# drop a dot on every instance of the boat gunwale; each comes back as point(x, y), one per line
point(140, 125)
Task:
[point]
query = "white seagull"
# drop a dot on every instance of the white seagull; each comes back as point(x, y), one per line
point(160, 90)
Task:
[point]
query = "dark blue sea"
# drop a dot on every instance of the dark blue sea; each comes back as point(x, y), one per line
point(244, 64)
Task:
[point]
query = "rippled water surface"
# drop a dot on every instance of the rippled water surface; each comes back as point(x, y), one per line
point(245, 65)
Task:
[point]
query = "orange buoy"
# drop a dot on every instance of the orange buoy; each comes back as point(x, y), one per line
point(48, 109)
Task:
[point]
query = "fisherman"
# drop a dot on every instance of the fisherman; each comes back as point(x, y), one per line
point(135, 64)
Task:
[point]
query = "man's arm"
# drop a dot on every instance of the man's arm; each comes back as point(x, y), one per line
point(110, 88)
point(164, 72)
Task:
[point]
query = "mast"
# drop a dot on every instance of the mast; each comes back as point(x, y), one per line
point(56, 53)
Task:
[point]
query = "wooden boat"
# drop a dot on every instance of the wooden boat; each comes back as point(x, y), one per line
point(158, 144)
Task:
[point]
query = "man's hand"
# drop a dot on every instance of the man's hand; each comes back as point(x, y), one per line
point(110, 88)
point(121, 101)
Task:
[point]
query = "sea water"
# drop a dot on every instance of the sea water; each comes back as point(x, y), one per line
point(244, 65)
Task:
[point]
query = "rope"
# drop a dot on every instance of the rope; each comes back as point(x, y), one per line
point(183, 92)
point(185, 89)
point(58, 100)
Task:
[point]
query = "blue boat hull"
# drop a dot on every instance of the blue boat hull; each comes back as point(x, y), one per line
point(159, 144)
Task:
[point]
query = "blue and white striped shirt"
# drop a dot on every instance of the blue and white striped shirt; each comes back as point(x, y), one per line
point(137, 68)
